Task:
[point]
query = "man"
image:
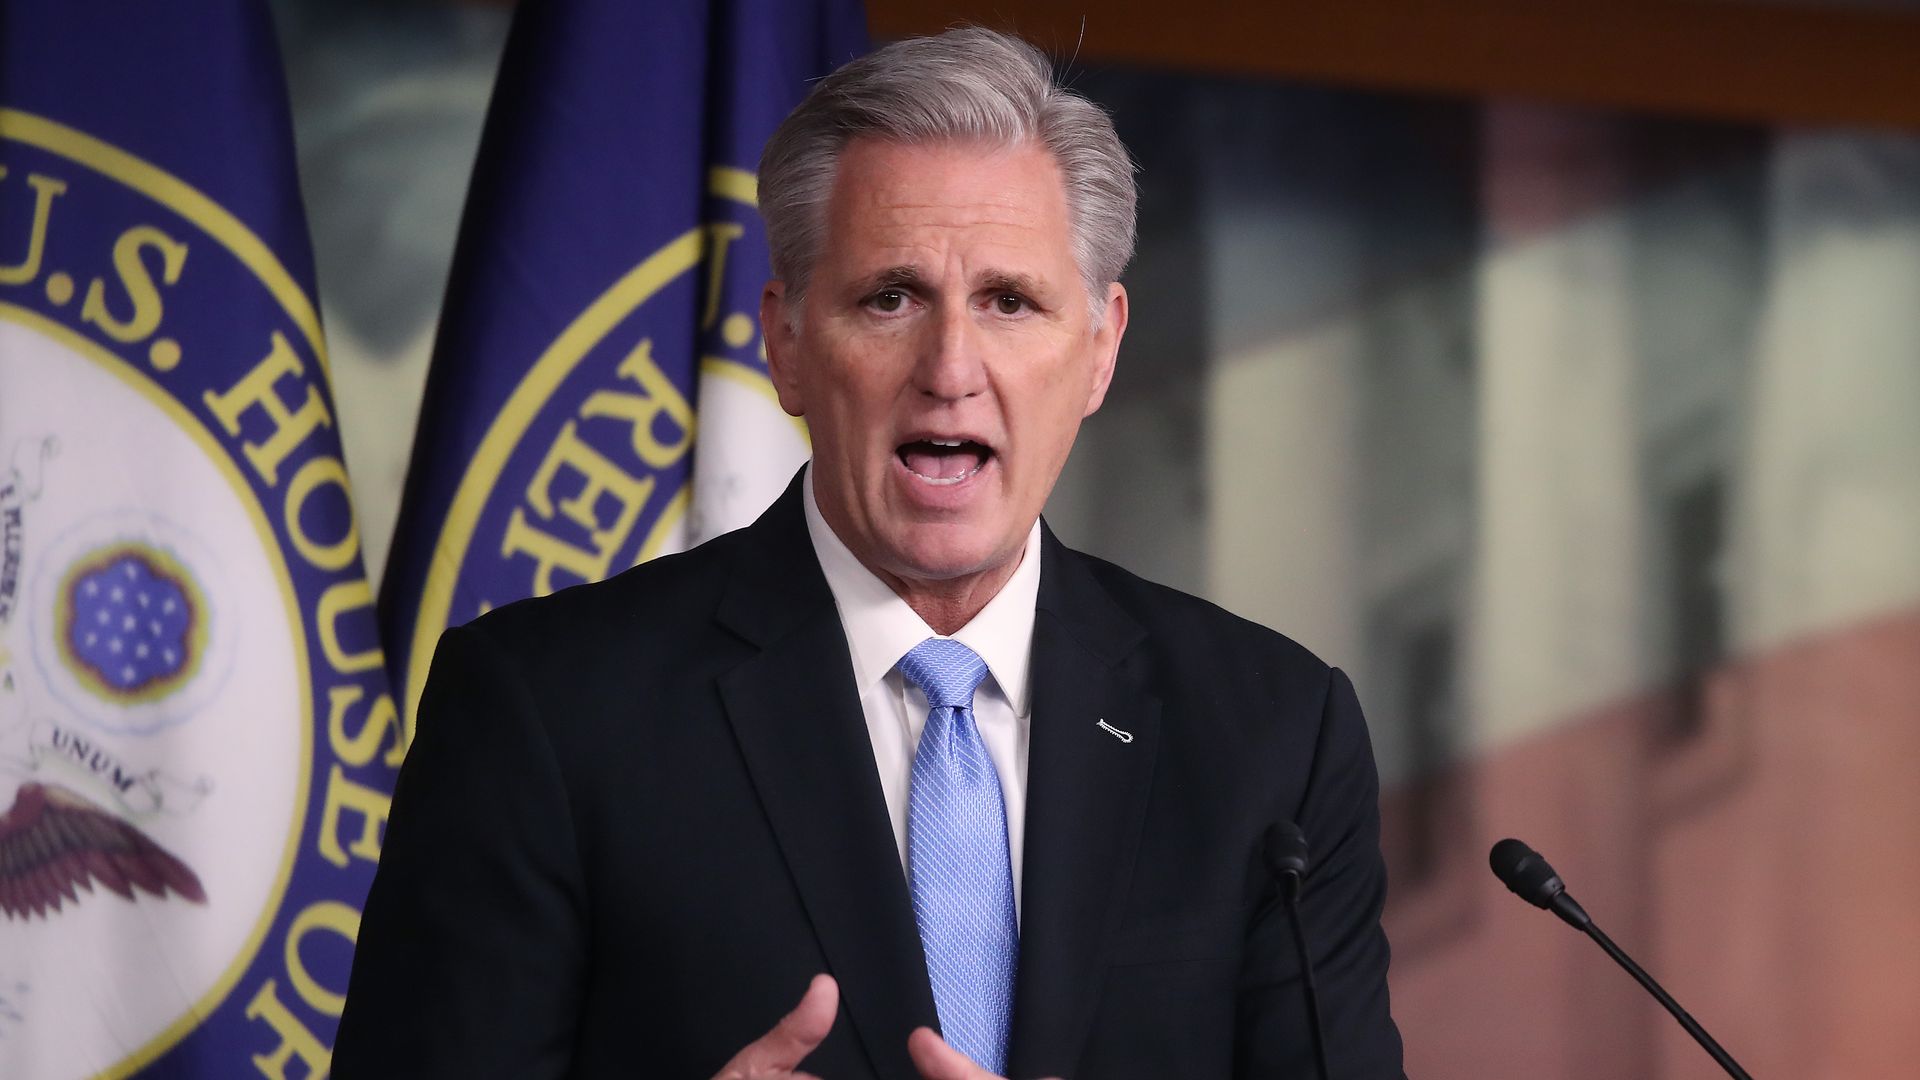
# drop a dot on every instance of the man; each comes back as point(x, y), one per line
point(993, 804)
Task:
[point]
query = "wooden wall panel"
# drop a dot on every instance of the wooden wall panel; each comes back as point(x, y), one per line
point(1764, 61)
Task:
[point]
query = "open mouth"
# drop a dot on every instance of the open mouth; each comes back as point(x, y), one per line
point(944, 461)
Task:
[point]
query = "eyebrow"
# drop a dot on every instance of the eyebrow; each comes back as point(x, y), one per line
point(908, 276)
point(1003, 281)
point(905, 275)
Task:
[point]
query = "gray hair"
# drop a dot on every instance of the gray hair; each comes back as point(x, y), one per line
point(968, 84)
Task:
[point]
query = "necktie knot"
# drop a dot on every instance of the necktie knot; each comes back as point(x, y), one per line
point(948, 671)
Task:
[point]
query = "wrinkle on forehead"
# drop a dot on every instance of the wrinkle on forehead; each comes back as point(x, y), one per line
point(899, 185)
point(879, 221)
point(922, 207)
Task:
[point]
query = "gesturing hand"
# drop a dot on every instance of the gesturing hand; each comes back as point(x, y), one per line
point(777, 1054)
point(938, 1061)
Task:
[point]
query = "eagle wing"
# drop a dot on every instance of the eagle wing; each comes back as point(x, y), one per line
point(53, 839)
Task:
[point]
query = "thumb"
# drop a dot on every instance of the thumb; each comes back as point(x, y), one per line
point(795, 1036)
point(938, 1061)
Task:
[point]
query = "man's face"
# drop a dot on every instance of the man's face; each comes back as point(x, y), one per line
point(945, 354)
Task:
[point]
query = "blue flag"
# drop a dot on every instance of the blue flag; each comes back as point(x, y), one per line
point(599, 390)
point(196, 742)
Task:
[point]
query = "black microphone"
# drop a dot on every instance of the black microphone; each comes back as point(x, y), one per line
point(1285, 848)
point(1529, 877)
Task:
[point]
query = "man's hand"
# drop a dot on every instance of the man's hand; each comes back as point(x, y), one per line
point(938, 1061)
point(776, 1055)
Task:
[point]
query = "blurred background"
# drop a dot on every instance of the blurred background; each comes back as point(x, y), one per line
point(1555, 371)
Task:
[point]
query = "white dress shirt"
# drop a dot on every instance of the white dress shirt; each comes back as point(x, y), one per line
point(880, 628)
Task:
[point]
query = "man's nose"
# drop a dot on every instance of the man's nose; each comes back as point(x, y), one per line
point(950, 366)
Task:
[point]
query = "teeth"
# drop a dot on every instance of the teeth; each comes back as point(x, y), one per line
point(943, 442)
point(943, 481)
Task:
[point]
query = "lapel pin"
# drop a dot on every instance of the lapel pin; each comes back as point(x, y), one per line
point(1123, 736)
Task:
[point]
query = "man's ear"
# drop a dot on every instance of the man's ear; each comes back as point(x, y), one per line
point(1106, 345)
point(783, 360)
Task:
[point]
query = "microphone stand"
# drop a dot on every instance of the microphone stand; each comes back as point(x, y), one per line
point(1291, 889)
point(1284, 848)
point(1699, 1033)
point(1527, 875)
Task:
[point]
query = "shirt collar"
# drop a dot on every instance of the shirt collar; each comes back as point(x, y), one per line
point(881, 627)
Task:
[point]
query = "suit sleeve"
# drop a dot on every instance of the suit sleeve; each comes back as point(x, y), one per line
point(471, 950)
point(1340, 908)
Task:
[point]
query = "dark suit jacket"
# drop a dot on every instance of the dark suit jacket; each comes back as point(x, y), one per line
point(639, 815)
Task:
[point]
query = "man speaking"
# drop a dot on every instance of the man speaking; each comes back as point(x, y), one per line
point(892, 753)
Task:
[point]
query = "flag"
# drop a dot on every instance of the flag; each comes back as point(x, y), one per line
point(599, 391)
point(196, 742)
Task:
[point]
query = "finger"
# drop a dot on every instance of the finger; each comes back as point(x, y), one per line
point(795, 1036)
point(938, 1061)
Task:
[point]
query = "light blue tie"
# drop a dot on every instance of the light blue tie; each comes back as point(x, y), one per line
point(957, 858)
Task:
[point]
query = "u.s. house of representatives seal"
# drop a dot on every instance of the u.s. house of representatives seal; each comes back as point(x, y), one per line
point(195, 737)
point(596, 461)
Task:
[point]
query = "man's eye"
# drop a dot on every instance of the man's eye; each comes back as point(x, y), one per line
point(888, 300)
point(1009, 304)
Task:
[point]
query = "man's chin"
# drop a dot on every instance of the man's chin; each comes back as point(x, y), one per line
point(945, 558)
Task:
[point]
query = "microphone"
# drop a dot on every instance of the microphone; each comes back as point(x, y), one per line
point(1285, 848)
point(1528, 876)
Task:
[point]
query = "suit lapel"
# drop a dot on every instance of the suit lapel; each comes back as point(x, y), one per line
point(1087, 794)
point(799, 724)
